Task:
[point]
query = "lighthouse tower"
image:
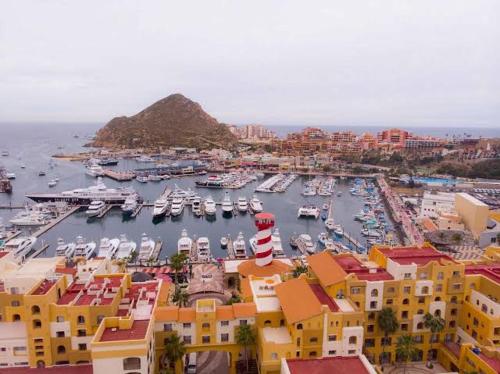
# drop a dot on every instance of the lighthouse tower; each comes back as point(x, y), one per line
point(264, 252)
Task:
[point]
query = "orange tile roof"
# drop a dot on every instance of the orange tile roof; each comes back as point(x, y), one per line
point(167, 313)
point(244, 310)
point(428, 224)
point(246, 290)
point(297, 300)
point(224, 312)
point(326, 268)
point(187, 315)
point(249, 267)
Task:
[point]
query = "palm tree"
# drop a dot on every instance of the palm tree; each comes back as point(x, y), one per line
point(245, 337)
point(177, 262)
point(174, 350)
point(180, 297)
point(299, 270)
point(235, 298)
point(406, 349)
point(388, 323)
point(434, 323)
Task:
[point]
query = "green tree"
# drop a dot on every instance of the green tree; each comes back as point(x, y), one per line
point(180, 297)
point(234, 299)
point(245, 337)
point(433, 323)
point(301, 269)
point(456, 237)
point(177, 262)
point(406, 349)
point(388, 323)
point(133, 257)
point(175, 349)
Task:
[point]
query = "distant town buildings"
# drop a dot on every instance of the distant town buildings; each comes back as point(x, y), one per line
point(252, 132)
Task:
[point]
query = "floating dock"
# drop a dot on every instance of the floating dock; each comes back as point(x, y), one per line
point(230, 249)
point(105, 211)
point(47, 227)
point(120, 176)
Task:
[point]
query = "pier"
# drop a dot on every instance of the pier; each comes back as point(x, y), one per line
point(137, 211)
point(157, 250)
point(230, 249)
point(351, 239)
point(103, 213)
point(40, 250)
point(47, 227)
point(120, 176)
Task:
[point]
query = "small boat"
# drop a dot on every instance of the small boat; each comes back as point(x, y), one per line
point(203, 245)
point(108, 247)
point(255, 204)
point(154, 177)
point(308, 211)
point(293, 240)
point(10, 175)
point(276, 242)
point(144, 159)
point(65, 249)
point(242, 204)
point(184, 244)
point(330, 245)
point(41, 173)
point(324, 215)
point(107, 161)
point(23, 166)
point(227, 205)
point(240, 248)
point(5, 153)
point(338, 231)
point(84, 249)
point(196, 206)
point(52, 183)
point(210, 208)
point(322, 238)
point(306, 244)
point(95, 208)
point(253, 244)
point(125, 248)
point(142, 179)
point(20, 246)
point(224, 242)
point(146, 248)
point(339, 193)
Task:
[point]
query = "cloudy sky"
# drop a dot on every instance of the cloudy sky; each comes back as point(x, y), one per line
point(371, 62)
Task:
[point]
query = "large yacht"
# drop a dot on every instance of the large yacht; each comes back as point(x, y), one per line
point(86, 195)
point(210, 208)
point(276, 241)
point(184, 244)
point(130, 205)
point(30, 218)
point(108, 247)
point(196, 206)
point(203, 246)
point(84, 249)
point(308, 211)
point(65, 249)
point(255, 204)
point(240, 248)
point(20, 246)
point(227, 204)
point(125, 248)
point(242, 204)
point(160, 207)
point(95, 208)
point(147, 248)
point(94, 170)
point(177, 206)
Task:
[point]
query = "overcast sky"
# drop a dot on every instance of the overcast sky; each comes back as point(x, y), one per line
point(380, 62)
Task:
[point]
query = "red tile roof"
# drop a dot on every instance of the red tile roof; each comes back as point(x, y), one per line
point(491, 271)
point(323, 297)
point(351, 264)
point(415, 255)
point(59, 369)
point(44, 287)
point(494, 363)
point(136, 332)
point(3, 253)
point(330, 365)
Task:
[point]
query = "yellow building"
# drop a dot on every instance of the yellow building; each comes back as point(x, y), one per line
point(473, 212)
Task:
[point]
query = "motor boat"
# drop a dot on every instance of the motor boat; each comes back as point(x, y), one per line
point(224, 241)
point(276, 242)
point(146, 248)
point(196, 206)
point(95, 208)
point(94, 171)
point(52, 183)
point(160, 207)
point(107, 161)
point(184, 244)
point(125, 248)
point(330, 224)
point(154, 177)
point(177, 206)
point(144, 159)
point(20, 246)
point(10, 175)
point(253, 244)
point(130, 205)
point(338, 231)
point(255, 204)
point(203, 245)
point(306, 243)
point(242, 204)
point(227, 205)
point(108, 247)
point(65, 249)
point(30, 218)
point(308, 211)
point(84, 249)
point(330, 245)
point(239, 246)
point(142, 179)
point(371, 233)
point(210, 208)
point(322, 238)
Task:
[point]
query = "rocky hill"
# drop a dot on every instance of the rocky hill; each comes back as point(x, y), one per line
point(172, 121)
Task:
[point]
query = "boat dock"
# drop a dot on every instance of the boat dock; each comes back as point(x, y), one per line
point(120, 176)
point(137, 211)
point(351, 239)
point(47, 227)
point(157, 250)
point(103, 213)
point(230, 249)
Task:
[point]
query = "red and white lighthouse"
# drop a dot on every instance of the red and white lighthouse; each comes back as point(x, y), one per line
point(264, 252)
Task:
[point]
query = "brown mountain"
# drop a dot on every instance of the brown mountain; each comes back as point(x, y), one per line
point(172, 121)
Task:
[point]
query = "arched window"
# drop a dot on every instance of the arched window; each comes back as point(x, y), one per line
point(37, 324)
point(420, 311)
point(35, 309)
point(420, 326)
point(40, 364)
point(374, 292)
point(15, 303)
point(437, 299)
point(81, 320)
point(406, 301)
point(437, 313)
point(16, 317)
point(267, 322)
point(61, 349)
point(132, 363)
point(299, 326)
point(60, 319)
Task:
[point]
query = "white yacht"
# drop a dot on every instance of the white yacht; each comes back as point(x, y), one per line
point(184, 244)
point(160, 207)
point(210, 208)
point(95, 208)
point(203, 246)
point(227, 204)
point(108, 247)
point(307, 244)
point(276, 241)
point(52, 183)
point(196, 206)
point(144, 159)
point(84, 249)
point(20, 246)
point(142, 179)
point(239, 246)
point(255, 204)
point(65, 249)
point(308, 211)
point(94, 170)
point(146, 249)
point(242, 204)
point(177, 206)
point(130, 205)
point(253, 244)
point(30, 218)
point(154, 177)
point(330, 224)
point(125, 248)
point(10, 175)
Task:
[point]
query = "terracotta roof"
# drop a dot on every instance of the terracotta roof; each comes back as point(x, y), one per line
point(242, 310)
point(415, 255)
point(136, 332)
point(187, 315)
point(330, 365)
point(326, 268)
point(167, 313)
point(224, 312)
point(249, 267)
point(297, 300)
point(59, 369)
point(428, 224)
point(352, 265)
point(323, 297)
point(246, 290)
point(66, 270)
point(491, 271)
point(3, 253)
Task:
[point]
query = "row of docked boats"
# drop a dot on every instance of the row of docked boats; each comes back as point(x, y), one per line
point(319, 186)
point(232, 180)
point(277, 183)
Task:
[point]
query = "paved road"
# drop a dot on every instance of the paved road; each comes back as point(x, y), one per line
point(212, 362)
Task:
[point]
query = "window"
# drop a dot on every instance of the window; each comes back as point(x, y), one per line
point(313, 340)
point(299, 326)
point(425, 290)
point(374, 293)
point(457, 286)
point(186, 325)
point(60, 319)
point(353, 340)
point(99, 318)
point(132, 363)
point(82, 347)
point(389, 302)
point(373, 304)
point(407, 275)
point(370, 328)
point(371, 316)
point(404, 314)
point(167, 327)
point(421, 300)
point(80, 320)
point(19, 351)
point(369, 342)
point(267, 322)
point(274, 356)
point(224, 323)
point(406, 301)
point(404, 327)
point(453, 300)
point(332, 338)
point(224, 337)
point(312, 354)
point(82, 332)
point(351, 352)
point(332, 352)
point(456, 273)
point(205, 339)
point(452, 324)
point(440, 276)
point(61, 349)
point(16, 317)
point(420, 326)
point(205, 325)
point(391, 290)
point(243, 322)
point(423, 275)
point(355, 290)
point(35, 309)
point(15, 303)
point(420, 311)
point(60, 334)
point(37, 324)
point(187, 339)
point(407, 290)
